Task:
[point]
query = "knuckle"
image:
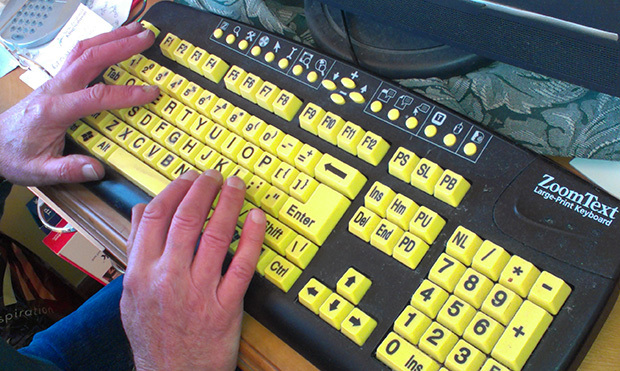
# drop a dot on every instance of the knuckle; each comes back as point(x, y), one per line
point(215, 240)
point(186, 221)
point(79, 48)
point(154, 211)
point(87, 55)
point(97, 92)
point(242, 270)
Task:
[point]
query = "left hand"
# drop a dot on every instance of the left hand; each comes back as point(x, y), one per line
point(32, 133)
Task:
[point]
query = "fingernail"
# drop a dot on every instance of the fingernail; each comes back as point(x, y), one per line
point(150, 88)
point(235, 182)
point(213, 174)
point(257, 216)
point(189, 175)
point(89, 172)
point(144, 34)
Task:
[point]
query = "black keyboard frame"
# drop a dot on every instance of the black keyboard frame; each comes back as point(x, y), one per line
point(576, 249)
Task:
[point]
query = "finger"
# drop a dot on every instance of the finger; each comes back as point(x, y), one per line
point(239, 274)
point(190, 217)
point(103, 38)
point(217, 236)
point(95, 59)
point(68, 169)
point(98, 98)
point(136, 217)
point(153, 230)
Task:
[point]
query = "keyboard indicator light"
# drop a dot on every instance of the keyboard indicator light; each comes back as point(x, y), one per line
point(269, 57)
point(470, 149)
point(313, 295)
point(329, 85)
point(218, 33)
point(298, 70)
point(283, 63)
point(347, 83)
point(312, 77)
point(256, 51)
point(338, 99)
point(353, 286)
point(358, 326)
point(399, 354)
point(230, 39)
point(357, 97)
point(549, 292)
point(243, 44)
point(430, 131)
point(522, 335)
point(393, 114)
point(411, 123)
point(376, 106)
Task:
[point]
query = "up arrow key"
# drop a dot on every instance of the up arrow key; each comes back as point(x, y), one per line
point(339, 176)
point(312, 291)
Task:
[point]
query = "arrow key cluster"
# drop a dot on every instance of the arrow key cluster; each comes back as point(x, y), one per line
point(336, 308)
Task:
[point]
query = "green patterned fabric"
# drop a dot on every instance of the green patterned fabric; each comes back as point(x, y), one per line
point(546, 115)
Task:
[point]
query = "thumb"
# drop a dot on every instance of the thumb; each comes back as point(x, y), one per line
point(72, 169)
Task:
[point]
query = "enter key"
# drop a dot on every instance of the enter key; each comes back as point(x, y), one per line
point(317, 217)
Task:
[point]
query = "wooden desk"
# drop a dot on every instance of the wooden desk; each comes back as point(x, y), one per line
point(260, 349)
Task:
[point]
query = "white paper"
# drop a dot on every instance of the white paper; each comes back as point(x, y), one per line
point(115, 12)
point(605, 174)
point(82, 25)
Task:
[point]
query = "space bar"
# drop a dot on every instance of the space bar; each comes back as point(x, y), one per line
point(138, 172)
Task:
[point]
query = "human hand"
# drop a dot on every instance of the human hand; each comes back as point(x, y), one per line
point(32, 133)
point(177, 309)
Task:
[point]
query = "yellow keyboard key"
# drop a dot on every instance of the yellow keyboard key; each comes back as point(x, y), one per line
point(205, 102)
point(265, 258)
point(266, 95)
point(138, 172)
point(288, 149)
point(214, 68)
point(153, 153)
point(451, 188)
point(185, 119)
point(378, 198)
point(286, 105)
point(162, 77)
point(125, 136)
point(425, 175)
point(437, 341)
point(522, 335)
point(149, 26)
point(271, 139)
point(401, 210)
point(169, 45)
point(190, 149)
point(463, 245)
point(216, 137)
point(519, 275)
point(182, 52)
point(340, 176)
point(253, 129)
point(310, 117)
point(363, 223)
point(148, 71)
point(446, 272)
point(465, 357)
point(372, 148)
point(456, 314)
point(411, 324)
point(303, 187)
point(330, 127)
point(490, 260)
point(249, 87)
point(232, 145)
point(307, 159)
point(429, 298)
point(282, 273)
point(549, 292)
point(483, 332)
point(103, 148)
point(426, 224)
point(402, 163)
point(221, 111)
point(353, 286)
point(224, 165)
point(86, 136)
point(313, 295)
point(493, 365)
point(266, 165)
point(334, 310)
point(206, 158)
point(358, 326)
point(410, 250)
point(160, 132)
point(176, 86)
point(248, 155)
point(473, 287)
point(273, 200)
point(168, 164)
point(385, 236)
point(197, 59)
point(190, 94)
point(349, 137)
point(277, 235)
point(114, 75)
point(284, 176)
point(501, 304)
point(233, 79)
point(399, 355)
point(316, 218)
point(175, 139)
point(301, 251)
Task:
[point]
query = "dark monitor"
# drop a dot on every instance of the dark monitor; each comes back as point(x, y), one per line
point(574, 41)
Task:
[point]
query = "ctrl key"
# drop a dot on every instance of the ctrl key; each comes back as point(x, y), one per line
point(399, 354)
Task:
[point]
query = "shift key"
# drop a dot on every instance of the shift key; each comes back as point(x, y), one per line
point(317, 217)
